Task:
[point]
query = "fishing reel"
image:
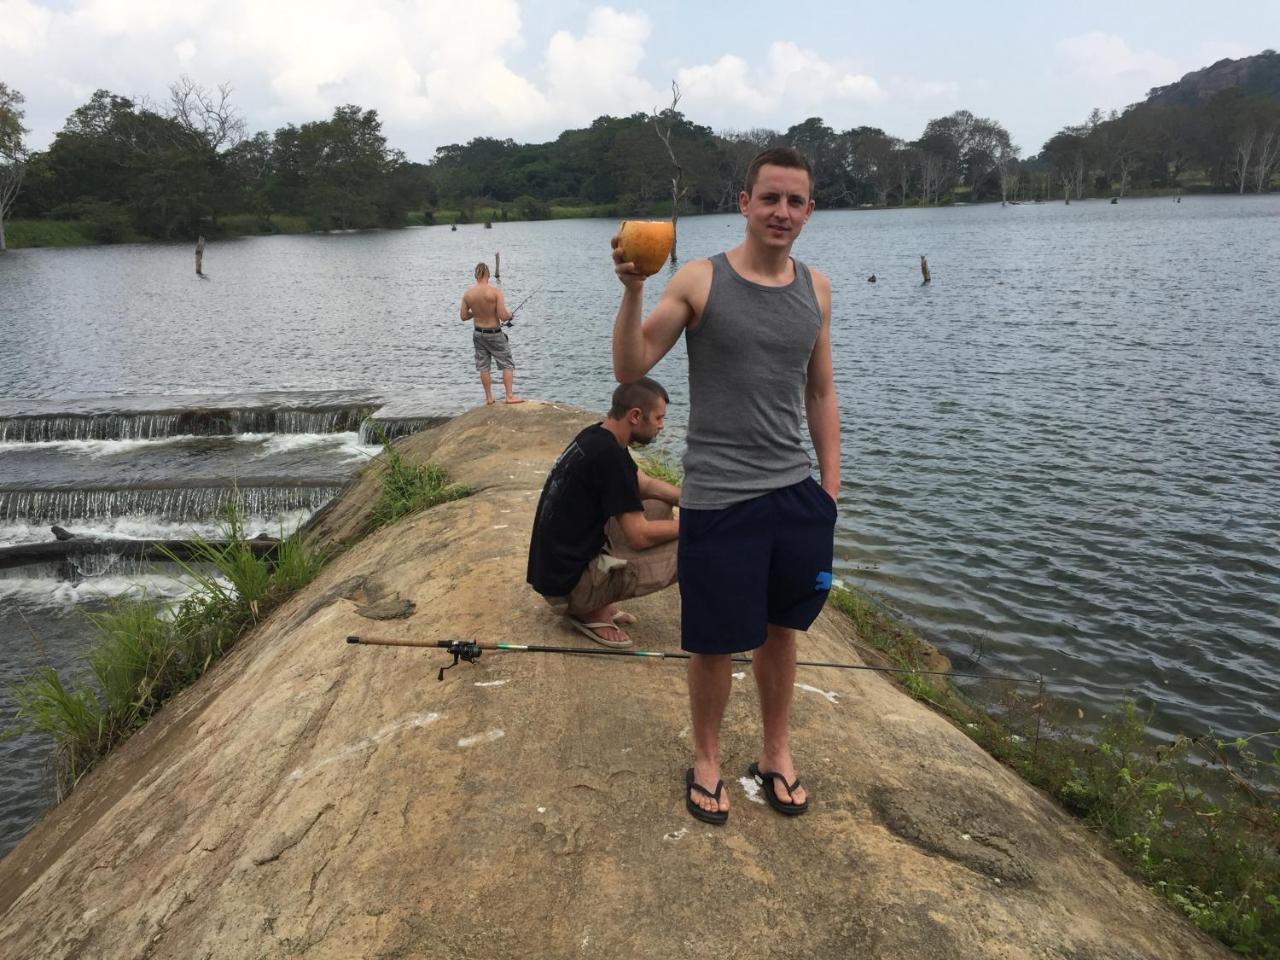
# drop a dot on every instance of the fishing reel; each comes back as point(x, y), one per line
point(463, 650)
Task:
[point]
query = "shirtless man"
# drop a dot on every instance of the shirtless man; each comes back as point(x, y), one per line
point(484, 306)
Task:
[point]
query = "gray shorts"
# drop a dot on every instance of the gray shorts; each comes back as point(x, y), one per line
point(492, 345)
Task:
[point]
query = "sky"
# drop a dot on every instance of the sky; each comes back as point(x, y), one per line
point(440, 71)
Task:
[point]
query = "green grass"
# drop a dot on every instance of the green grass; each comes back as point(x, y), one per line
point(20, 234)
point(661, 466)
point(253, 224)
point(583, 211)
point(410, 487)
point(145, 653)
point(1197, 819)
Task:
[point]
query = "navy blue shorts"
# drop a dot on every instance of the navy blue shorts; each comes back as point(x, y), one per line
point(762, 561)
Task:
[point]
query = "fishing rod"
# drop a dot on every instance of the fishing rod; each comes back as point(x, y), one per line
point(469, 651)
point(507, 323)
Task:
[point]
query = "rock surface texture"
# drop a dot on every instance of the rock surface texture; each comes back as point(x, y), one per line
point(315, 799)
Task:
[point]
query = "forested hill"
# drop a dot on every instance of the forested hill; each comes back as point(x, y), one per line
point(1257, 76)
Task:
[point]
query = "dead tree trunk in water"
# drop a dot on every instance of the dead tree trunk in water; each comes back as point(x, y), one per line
point(200, 256)
point(663, 126)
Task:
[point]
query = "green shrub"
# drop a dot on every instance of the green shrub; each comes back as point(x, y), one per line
point(407, 488)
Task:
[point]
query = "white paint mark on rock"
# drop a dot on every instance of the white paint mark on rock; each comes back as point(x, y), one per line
point(965, 836)
point(751, 789)
point(500, 526)
point(487, 737)
point(491, 683)
point(683, 734)
point(830, 695)
point(739, 675)
point(542, 809)
point(368, 743)
point(677, 835)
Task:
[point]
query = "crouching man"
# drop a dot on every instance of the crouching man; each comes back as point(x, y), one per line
point(603, 531)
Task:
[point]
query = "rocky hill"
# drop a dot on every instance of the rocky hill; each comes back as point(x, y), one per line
point(1257, 76)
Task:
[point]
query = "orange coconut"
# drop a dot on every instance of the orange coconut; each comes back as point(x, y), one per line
point(646, 243)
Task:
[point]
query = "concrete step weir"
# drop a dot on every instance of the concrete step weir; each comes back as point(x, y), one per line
point(170, 502)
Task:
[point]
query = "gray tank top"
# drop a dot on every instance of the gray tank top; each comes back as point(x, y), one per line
point(748, 360)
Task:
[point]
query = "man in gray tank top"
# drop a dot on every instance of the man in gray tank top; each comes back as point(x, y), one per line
point(756, 531)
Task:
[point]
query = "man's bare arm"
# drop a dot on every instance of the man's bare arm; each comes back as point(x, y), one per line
point(503, 313)
point(466, 310)
point(643, 534)
point(651, 488)
point(821, 408)
point(638, 346)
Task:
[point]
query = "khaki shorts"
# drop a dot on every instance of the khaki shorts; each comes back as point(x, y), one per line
point(621, 573)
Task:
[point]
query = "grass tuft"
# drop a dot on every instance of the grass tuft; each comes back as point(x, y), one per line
point(410, 487)
point(661, 466)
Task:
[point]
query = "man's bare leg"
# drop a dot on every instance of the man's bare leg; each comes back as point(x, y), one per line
point(507, 377)
point(487, 380)
point(710, 680)
point(774, 665)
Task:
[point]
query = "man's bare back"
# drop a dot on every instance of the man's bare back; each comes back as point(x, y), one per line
point(484, 305)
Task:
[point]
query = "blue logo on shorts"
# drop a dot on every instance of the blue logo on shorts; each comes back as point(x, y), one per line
point(824, 581)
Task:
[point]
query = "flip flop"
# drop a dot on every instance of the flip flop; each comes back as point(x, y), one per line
point(765, 779)
point(623, 618)
point(718, 817)
point(589, 630)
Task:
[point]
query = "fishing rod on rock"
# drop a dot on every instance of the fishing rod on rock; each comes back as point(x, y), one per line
point(469, 651)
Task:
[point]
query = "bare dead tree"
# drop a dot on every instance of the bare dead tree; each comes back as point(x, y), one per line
point(1005, 157)
point(208, 114)
point(664, 126)
point(1268, 154)
point(1243, 142)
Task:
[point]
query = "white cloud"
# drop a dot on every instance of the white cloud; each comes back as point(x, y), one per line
point(598, 72)
point(790, 77)
point(428, 66)
point(1105, 60)
point(23, 26)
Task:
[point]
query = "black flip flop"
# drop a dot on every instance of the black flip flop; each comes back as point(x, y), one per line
point(718, 817)
point(765, 779)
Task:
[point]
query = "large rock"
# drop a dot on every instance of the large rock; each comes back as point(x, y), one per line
point(312, 798)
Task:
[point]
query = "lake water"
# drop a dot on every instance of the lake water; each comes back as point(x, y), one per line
point(1060, 457)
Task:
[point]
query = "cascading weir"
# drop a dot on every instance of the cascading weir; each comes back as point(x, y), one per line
point(171, 503)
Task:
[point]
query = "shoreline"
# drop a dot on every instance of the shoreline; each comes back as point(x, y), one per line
point(48, 234)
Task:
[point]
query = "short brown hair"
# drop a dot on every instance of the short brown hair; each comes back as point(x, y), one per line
point(482, 270)
point(778, 157)
point(643, 393)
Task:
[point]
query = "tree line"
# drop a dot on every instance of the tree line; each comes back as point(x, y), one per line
point(125, 168)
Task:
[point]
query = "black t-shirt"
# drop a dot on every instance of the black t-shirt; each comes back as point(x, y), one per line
point(594, 479)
